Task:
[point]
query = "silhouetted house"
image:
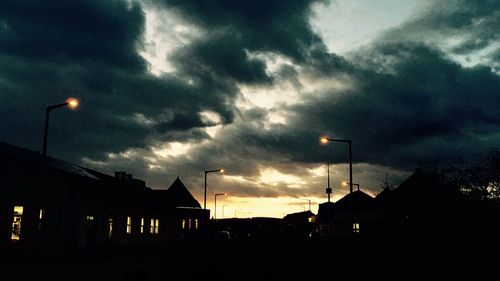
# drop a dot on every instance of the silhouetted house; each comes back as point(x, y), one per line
point(324, 220)
point(355, 214)
point(299, 225)
point(424, 206)
point(53, 203)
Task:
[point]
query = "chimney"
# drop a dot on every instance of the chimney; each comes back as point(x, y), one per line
point(129, 177)
point(120, 175)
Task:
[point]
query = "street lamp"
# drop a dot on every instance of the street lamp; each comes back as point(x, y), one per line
point(205, 193)
point(309, 203)
point(71, 103)
point(325, 140)
point(346, 183)
point(215, 207)
point(223, 210)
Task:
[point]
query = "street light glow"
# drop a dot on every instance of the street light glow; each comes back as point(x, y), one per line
point(324, 140)
point(344, 183)
point(72, 103)
point(221, 170)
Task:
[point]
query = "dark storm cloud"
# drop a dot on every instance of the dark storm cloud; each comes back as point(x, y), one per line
point(277, 26)
point(69, 31)
point(410, 104)
point(224, 55)
point(89, 49)
point(473, 23)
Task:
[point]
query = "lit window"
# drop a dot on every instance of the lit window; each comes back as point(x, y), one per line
point(355, 228)
point(41, 218)
point(183, 224)
point(90, 218)
point(129, 225)
point(110, 227)
point(142, 225)
point(16, 223)
point(196, 224)
point(154, 226)
point(189, 223)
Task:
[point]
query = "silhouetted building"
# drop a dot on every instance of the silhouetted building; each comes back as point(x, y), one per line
point(299, 225)
point(53, 203)
point(324, 220)
point(423, 205)
point(259, 228)
point(355, 214)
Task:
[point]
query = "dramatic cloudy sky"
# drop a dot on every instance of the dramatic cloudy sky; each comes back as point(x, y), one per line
point(174, 87)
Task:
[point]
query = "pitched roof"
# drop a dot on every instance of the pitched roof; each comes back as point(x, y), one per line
point(180, 195)
point(357, 200)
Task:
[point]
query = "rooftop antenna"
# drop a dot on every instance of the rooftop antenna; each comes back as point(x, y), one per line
point(328, 188)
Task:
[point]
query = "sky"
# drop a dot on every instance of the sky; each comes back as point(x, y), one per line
point(171, 88)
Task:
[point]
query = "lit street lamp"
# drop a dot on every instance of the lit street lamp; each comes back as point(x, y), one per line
point(325, 140)
point(346, 183)
point(215, 207)
point(205, 193)
point(71, 103)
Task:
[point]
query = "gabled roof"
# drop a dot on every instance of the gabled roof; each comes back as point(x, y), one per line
point(425, 186)
point(357, 200)
point(180, 195)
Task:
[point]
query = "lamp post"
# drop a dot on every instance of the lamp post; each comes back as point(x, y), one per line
point(215, 207)
point(223, 210)
point(309, 203)
point(71, 103)
point(325, 140)
point(205, 193)
point(346, 183)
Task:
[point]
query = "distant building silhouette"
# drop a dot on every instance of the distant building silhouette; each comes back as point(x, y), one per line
point(58, 204)
point(299, 225)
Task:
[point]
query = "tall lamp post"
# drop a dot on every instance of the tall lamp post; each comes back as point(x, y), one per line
point(71, 103)
point(205, 193)
point(325, 140)
point(223, 210)
point(215, 207)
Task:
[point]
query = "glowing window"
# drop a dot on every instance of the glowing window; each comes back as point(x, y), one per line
point(41, 218)
point(189, 223)
point(355, 228)
point(110, 227)
point(183, 224)
point(157, 225)
point(196, 224)
point(129, 225)
point(142, 225)
point(90, 218)
point(153, 229)
point(16, 223)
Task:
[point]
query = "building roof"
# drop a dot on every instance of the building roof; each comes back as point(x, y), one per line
point(299, 215)
point(357, 200)
point(180, 195)
point(36, 158)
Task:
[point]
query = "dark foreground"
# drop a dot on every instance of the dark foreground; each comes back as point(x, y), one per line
point(257, 260)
